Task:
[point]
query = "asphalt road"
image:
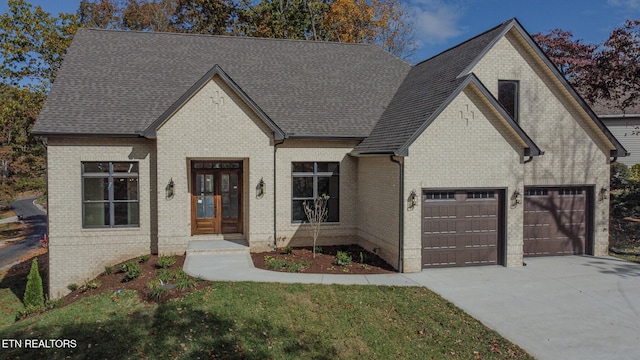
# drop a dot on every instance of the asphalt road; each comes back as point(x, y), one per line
point(37, 219)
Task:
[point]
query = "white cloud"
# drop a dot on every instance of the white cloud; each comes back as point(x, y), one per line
point(632, 4)
point(435, 21)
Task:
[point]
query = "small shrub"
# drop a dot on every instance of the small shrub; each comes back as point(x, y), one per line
point(52, 304)
point(132, 270)
point(109, 270)
point(296, 267)
point(635, 172)
point(180, 275)
point(72, 287)
point(28, 310)
point(273, 263)
point(288, 250)
point(166, 261)
point(343, 258)
point(185, 283)
point(92, 284)
point(318, 249)
point(164, 275)
point(157, 293)
point(144, 258)
point(153, 284)
point(34, 293)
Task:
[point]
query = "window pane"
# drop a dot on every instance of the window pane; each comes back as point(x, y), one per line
point(96, 189)
point(331, 167)
point(508, 97)
point(209, 206)
point(200, 207)
point(96, 214)
point(333, 210)
point(125, 213)
point(302, 167)
point(125, 188)
point(303, 187)
point(297, 211)
point(95, 167)
point(125, 168)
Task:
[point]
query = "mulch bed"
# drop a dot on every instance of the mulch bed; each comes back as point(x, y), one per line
point(324, 263)
point(116, 281)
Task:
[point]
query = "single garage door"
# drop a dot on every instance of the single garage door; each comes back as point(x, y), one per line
point(555, 221)
point(460, 227)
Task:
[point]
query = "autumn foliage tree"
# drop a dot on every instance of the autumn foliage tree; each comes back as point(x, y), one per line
point(383, 22)
point(33, 47)
point(607, 73)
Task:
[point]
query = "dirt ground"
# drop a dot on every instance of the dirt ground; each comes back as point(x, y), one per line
point(363, 262)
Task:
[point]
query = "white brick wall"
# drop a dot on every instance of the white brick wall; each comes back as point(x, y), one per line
point(378, 179)
point(77, 254)
point(575, 152)
point(297, 234)
point(465, 147)
point(214, 124)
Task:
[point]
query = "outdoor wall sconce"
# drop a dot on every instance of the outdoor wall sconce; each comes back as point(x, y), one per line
point(604, 192)
point(169, 189)
point(413, 199)
point(260, 189)
point(516, 198)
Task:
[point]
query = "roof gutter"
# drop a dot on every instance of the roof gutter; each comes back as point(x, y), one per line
point(400, 213)
point(80, 135)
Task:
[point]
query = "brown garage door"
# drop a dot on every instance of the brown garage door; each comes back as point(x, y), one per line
point(554, 221)
point(460, 228)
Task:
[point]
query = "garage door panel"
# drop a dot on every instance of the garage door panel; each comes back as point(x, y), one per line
point(554, 221)
point(460, 228)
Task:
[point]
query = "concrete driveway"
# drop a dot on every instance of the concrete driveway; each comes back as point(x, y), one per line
point(573, 307)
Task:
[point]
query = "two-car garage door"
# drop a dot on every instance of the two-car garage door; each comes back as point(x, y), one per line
point(465, 227)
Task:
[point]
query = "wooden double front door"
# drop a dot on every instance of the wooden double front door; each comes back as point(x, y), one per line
point(216, 197)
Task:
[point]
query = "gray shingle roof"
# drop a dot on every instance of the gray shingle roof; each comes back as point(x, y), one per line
point(118, 83)
point(424, 91)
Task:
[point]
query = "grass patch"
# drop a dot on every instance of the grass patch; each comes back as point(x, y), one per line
point(260, 321)
point(10, 230)
point(631, 258)
point(6, 213)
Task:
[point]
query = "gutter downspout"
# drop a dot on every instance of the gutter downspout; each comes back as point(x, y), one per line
point(275, 148)
point(400, 213)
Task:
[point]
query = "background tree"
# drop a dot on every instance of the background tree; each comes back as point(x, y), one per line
point(617, 78)
point(609, 72)
point(383, 22)
point(33, 47)
point(574, 59)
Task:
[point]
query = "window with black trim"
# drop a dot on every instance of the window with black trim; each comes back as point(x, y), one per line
point(310, 180)
point(508, 95)
point(110, 194)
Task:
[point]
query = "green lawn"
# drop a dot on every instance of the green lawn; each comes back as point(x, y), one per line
point(263, 321)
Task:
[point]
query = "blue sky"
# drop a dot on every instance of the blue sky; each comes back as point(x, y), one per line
point(441, 24)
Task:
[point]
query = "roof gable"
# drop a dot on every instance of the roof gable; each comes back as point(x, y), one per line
point(427, 89)
point(150, 131)
point(515, 26)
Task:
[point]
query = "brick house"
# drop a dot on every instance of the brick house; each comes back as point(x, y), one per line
point(482, 154)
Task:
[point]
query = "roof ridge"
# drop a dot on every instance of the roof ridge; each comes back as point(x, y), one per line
point(468, 40)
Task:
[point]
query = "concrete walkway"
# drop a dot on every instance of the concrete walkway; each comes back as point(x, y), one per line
point(574, 307)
